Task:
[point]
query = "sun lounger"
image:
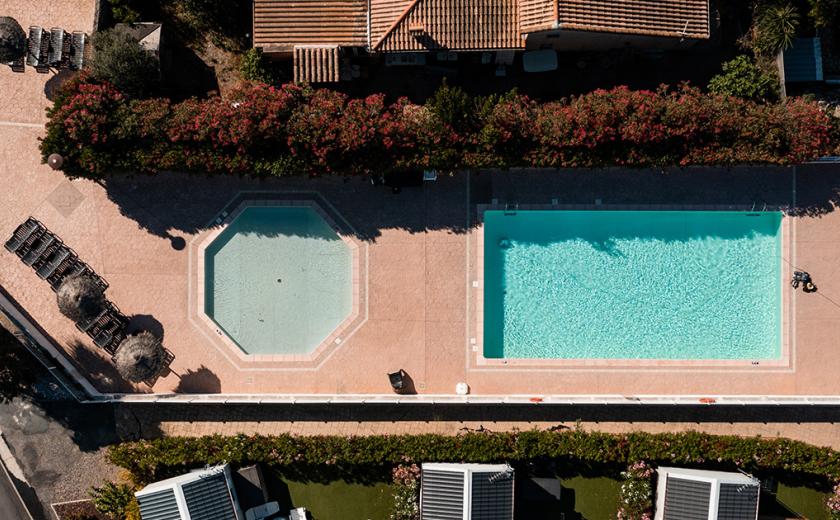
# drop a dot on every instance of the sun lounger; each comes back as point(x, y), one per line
point(33, 241)
point(77, 50)
point(97, 321)
point(56, 46)
point(43, 53)
point(73, 267)
point(111, 342)
point(18, 65)
point(62, 270)
point(39, 249)
point(112, 333)
point(47, 255)
point(112, 321)
point(33, 53)
point(22, 234)
point(61, 255)
point(98, 279)
point(65, 50)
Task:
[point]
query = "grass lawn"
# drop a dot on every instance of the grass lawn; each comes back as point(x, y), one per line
point(340, 500)
point(804, 502)
point(581, 498)
point(591, 498)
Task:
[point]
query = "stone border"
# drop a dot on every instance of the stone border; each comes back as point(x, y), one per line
point(477, 359)
point(227, 345)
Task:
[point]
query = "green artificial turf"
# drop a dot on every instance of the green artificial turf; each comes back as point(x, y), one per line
point(340, 500)
point(589, 498)
point(804, 502)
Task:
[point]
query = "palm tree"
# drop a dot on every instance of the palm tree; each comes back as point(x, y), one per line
point(776, 28)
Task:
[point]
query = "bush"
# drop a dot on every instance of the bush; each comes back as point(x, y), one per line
point(264, 130)
point(832, 503)
point(775, 28)
point(636, 495)
point(116, 500)
point(743, 79)
point(123, 11)
point(406, 491)
point(824, 13)
point(150, 460)
point(255, 67)
point(119, 60)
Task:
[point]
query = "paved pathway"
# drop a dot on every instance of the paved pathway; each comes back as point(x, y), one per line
point(11, 505)
point(815, 425)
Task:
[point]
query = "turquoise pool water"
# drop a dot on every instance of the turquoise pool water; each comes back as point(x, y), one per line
point(278, 280)
point(632, 285)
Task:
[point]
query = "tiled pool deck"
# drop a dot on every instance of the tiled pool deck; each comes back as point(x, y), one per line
point(420, 248)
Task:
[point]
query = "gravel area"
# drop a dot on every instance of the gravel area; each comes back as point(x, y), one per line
point(58, 443)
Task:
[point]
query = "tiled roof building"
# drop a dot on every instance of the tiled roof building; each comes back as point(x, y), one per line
point(457, 25)
point(454, 25)
point(675, 18)
point(279, 25)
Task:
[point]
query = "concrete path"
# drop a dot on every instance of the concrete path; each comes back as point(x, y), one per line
point(11, 503)
point(815, 425)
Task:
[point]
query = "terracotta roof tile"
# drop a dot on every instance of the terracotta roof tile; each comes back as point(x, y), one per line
point(383, 14)
point(537, 15)
point(316, 64)
point(454, 25)
point(675, 18)
point(417, 25)
point(286, 23)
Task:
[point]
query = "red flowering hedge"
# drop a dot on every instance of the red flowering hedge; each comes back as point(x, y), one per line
point(262, 130)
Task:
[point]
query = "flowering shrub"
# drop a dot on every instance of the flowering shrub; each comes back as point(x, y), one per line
point(262, 130)
point(636, 494)
point(82, 126)
point(149, 460)
point(833, 503)
point(406, 491)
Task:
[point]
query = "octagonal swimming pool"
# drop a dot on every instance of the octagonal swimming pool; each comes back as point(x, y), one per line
point(278, 280)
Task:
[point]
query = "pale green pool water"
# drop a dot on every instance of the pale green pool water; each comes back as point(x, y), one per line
point(632, 285)
point(278, 280)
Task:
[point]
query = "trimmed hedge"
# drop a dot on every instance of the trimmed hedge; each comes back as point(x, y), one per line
point(146, 460)
point(261, 130)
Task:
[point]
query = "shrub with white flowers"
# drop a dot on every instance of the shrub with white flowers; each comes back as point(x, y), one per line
point(636, 494)
point(833, 503)
point(406, 488)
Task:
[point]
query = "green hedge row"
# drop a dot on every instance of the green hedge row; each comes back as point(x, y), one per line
point(149, 460)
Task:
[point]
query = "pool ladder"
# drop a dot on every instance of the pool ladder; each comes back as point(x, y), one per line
point(763, 208)
point(753, 213)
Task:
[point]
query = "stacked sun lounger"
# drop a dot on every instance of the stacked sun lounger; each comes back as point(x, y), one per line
point(43, 53)
point(77, 50)
point(54, 48)
point(33, 53)
point(54, 262)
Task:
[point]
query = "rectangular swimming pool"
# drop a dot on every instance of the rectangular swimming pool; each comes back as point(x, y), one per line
point(670, 285)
